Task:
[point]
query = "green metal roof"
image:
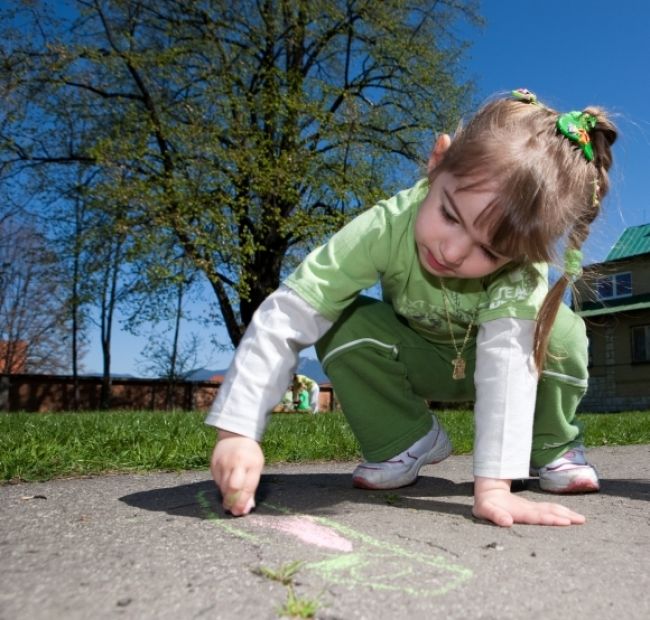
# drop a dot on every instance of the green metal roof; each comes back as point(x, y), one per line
point(634, 241)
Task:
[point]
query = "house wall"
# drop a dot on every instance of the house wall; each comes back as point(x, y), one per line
point(615, 384)
point(640, 270)
point(13, 356)
point(641, 277)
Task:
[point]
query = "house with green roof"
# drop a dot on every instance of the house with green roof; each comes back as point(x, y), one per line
point(613, 297)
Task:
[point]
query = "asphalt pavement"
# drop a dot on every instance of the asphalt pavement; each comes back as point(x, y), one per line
point(158, 546)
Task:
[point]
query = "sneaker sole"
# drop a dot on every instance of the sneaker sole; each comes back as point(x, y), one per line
point(437, 454)
point(581, 485)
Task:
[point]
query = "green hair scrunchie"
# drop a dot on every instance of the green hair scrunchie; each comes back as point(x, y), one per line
point(573, 264)
point(524, 95)
point(576, 126)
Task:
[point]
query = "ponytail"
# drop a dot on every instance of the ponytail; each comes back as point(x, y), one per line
point(602, 136)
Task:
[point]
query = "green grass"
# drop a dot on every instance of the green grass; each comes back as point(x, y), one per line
point(45, 446)
point(295, 606)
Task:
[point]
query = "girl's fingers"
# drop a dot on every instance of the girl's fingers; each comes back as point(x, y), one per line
point(236, 467)
point(551, 514)
point(493, 513)
point(519, 510)
point(238, 490)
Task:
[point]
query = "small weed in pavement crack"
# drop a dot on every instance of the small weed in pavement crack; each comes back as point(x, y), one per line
point(294, 607)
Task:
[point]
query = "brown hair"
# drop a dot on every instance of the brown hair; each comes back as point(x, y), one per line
point(546, 190)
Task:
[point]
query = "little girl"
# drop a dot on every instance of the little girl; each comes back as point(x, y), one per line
point(466, 315)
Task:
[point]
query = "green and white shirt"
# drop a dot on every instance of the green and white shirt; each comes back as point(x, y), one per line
point(379, 245)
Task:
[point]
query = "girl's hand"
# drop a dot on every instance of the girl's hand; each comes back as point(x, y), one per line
point(236, 467)
point(494, 502)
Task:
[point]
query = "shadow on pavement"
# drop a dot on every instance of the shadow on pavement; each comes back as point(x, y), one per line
point(632, 488)
point(320, 493)
point(313, 493)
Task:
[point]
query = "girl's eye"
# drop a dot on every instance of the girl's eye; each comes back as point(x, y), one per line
point(489, 255)
point(446, 215)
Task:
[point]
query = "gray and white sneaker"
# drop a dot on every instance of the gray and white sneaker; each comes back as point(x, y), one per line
point(404, 468)
point(570, 473)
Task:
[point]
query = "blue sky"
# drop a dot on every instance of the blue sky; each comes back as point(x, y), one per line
point(572, 54)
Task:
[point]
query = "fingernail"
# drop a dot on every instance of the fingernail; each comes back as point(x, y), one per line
point(250, 504)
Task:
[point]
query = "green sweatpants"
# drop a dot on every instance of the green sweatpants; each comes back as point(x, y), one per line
point(384, 373)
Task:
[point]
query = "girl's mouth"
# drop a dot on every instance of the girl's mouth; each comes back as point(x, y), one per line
point(434, 264)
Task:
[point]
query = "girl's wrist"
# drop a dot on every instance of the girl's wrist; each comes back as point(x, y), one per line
point(222, 434)
point(485, 485)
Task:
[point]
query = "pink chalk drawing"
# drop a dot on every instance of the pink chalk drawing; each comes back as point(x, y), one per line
point(366, 562)
point(305, 529)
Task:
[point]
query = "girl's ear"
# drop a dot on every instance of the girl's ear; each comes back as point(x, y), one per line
point(439, 149)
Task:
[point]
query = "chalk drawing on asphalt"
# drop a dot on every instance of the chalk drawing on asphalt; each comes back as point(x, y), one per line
point(349, 558)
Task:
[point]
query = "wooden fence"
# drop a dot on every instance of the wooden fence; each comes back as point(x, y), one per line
point(52, 393)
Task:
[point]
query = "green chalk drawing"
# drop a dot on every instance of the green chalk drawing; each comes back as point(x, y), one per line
point(376, 564)
point(213, 516)
point(377, 568)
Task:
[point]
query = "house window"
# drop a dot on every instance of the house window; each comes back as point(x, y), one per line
point(617, 285)
point(641, 343)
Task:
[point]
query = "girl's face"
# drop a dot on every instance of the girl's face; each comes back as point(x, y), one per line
point(449, 243)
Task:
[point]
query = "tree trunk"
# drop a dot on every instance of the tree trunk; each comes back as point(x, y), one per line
point(108, 311)
point(170, 399)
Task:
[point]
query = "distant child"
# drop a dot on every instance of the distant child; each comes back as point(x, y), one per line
point(288, 401)
point(304, 383)
point(302, 403)
point(466, 315)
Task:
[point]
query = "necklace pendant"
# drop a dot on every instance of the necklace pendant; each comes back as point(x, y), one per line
point(459, 368)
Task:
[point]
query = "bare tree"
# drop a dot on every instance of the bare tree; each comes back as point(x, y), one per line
point(109, 286)
point(33, 321)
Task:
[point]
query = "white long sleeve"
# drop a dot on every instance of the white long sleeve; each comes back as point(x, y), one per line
point(264, 363)
point(506, 391)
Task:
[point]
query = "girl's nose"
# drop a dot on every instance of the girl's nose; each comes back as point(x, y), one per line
point(455, 251)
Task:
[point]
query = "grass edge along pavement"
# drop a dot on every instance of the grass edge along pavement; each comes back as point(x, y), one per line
point(38, 447)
